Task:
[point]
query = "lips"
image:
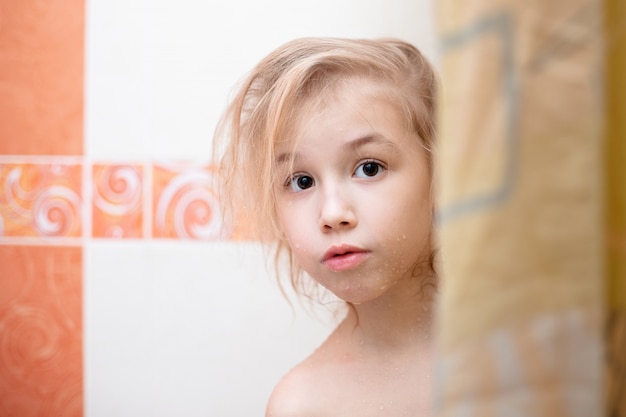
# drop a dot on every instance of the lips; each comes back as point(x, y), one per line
point(344, 257)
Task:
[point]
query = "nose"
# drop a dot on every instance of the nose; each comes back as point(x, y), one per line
point(337, 211)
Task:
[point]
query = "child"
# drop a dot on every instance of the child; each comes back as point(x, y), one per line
point(329, 153)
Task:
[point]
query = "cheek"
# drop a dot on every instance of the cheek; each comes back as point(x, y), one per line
point(286, 219)
point(302, 252)
point(406, 223)
point(296, 229)
point(291, 227)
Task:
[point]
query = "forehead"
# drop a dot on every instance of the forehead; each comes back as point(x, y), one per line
point(349, 103)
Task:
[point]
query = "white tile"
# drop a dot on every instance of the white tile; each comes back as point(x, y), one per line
point(158, 72)
point(188, 329)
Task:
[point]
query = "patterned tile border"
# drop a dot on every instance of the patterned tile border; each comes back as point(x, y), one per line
point(63, 200)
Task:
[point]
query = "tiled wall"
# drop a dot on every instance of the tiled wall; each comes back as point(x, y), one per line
point(63, 199)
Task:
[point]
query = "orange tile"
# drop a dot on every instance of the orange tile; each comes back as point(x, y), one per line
point(185, 203)
point(117, 201)
point(41, 359)
point(40, 200)
point(41, 77)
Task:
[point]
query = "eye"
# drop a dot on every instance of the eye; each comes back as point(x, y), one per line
point(299, 182)
point(368, 169)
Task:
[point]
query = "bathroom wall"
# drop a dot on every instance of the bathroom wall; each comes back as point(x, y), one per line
point(120, 292)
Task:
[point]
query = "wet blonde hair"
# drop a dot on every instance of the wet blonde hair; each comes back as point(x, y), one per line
point(270, 102)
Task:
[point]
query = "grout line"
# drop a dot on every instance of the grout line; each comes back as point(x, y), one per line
point(41, 159)
point(148, 188)
point(40, 241)
point(87, 211)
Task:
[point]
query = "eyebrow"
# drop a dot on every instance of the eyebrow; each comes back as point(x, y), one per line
point(356, 144)
point(353, 145)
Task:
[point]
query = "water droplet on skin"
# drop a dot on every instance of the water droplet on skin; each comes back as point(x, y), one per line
point(403, 236)
point(297, 246)
point(382, 407)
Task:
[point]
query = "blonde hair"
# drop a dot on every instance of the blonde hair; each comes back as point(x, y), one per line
point(271, 99)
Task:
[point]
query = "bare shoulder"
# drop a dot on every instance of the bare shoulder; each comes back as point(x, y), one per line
point(293, 395)
point(306, 390)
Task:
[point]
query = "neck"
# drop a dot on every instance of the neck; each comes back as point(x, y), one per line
point(402, 318)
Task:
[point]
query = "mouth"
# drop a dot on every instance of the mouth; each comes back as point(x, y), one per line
point(343, 257)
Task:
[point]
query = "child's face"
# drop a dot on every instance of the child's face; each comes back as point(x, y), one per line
point(356, 208)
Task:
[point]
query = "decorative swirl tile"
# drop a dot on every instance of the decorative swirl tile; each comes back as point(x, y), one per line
point(68, 401)
point(40, 200)
point(117, 201)
point(185, 203)
point(30, 344)
point(41, 371)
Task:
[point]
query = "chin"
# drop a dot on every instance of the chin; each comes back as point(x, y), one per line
point(358, 296)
